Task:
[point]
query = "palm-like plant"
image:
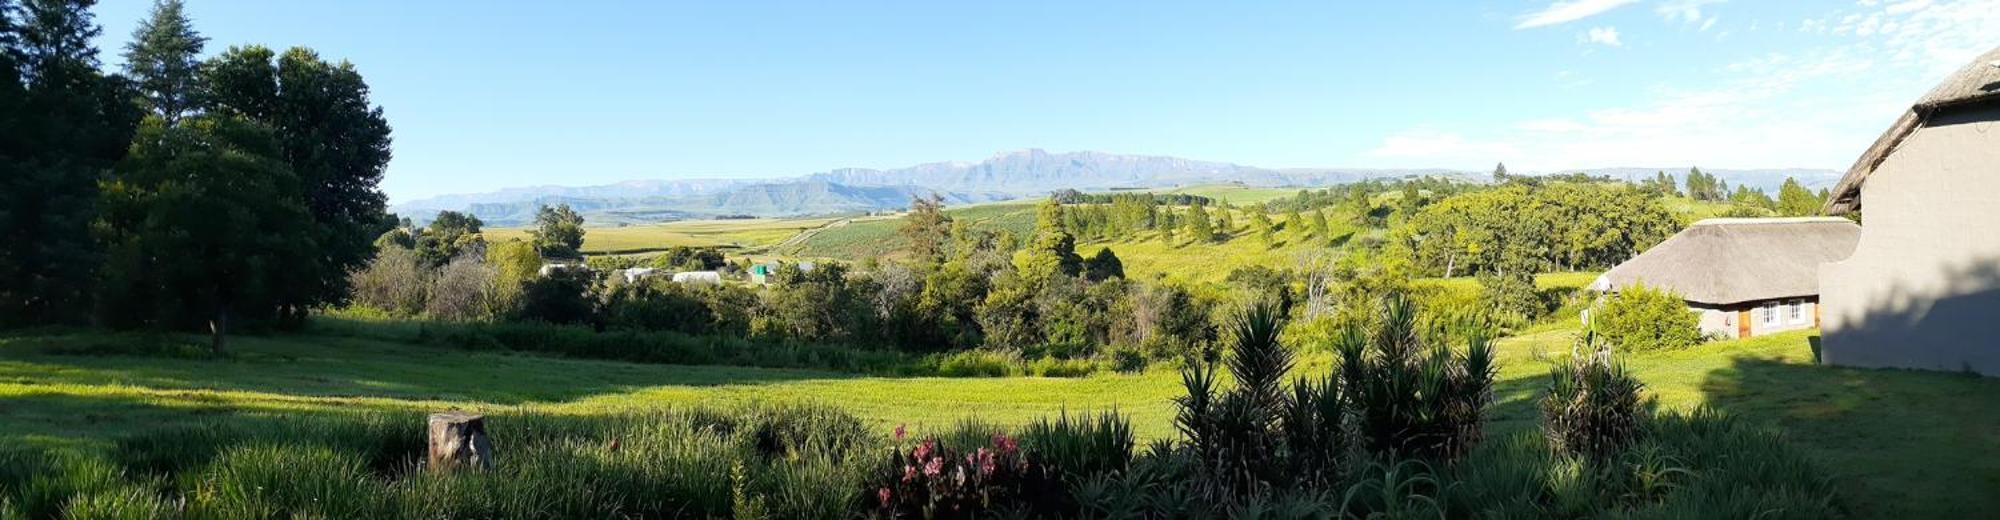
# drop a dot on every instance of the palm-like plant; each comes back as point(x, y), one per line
point(1409, 398)
point(1593, 407)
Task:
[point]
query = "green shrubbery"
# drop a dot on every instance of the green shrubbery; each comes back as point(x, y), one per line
point(1638, 318)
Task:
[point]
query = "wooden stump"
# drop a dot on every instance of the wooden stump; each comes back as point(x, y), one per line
point(458, 439)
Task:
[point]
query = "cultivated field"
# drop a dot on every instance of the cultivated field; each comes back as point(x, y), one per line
point(732, 234)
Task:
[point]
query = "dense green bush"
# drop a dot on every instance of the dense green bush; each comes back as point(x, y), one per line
point(1638, 318)
point(562, 297)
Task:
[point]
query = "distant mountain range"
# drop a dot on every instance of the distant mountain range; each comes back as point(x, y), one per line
point(1004, 176)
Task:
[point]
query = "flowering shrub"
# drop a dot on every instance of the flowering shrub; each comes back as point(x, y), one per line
point(932, 481)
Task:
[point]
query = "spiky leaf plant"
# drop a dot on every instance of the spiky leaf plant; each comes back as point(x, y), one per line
point(1409, 398)
point(1593, 408)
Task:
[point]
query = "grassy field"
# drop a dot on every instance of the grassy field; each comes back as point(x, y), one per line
point(736, 234)
point(876, 237)
point(1236, 194)
point(1906, 442)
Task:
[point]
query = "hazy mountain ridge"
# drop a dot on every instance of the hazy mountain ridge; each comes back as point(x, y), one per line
point(1015, 174)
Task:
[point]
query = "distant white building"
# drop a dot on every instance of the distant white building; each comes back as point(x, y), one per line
point(551, 268)
point(699, 277)
point(635, 274)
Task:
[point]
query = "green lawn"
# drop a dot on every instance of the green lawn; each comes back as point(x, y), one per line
point(1924, 443)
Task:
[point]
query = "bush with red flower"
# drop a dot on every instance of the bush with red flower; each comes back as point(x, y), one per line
point(933, 481)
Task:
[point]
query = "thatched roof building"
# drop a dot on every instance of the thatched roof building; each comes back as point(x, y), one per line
point(1923, 288)
point(1726, 261)
point(1977, 83)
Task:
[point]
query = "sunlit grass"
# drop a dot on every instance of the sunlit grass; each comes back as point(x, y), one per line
point(1928, 441)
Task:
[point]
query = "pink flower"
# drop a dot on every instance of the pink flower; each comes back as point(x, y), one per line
point(901, 430)
point(884, 494)
point(934, 467)
point(923, 450)
point(984, 461)
point(909, 473)
point(1005, 443)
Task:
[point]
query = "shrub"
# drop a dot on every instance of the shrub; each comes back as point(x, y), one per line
point(1082, 445)
point(398, 280)
point(563, 297)
point(1592, 409)
point(1639, 318)
point(1409, 398)
point(657, 305)
point(977, 363)
point(463, 290)
point(934, 481)
point(1057, 367)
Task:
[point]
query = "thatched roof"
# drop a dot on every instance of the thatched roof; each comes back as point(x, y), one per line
point(1733, 260)
point(1978, 82)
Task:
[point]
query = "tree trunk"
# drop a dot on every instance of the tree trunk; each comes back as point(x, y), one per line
point(218, 330)
point(458, 439)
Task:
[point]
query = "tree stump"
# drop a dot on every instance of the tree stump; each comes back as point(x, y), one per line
point(458, 439)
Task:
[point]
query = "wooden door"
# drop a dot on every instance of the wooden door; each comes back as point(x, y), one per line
point(1743, 323)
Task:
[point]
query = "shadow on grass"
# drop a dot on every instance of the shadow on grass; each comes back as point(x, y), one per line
point(320, 366)
point(1908, 443)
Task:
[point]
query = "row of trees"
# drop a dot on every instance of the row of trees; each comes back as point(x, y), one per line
point(183, 191)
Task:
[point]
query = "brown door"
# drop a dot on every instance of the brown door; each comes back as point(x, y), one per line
point(1743, 323)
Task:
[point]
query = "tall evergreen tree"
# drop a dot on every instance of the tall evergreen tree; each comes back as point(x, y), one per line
point(1198, 226)
point(1225, 221)
point(62, 126)
point(1261, 225)
point(1317, 225)
point(1794, 200)
point(1500, 172)
point(163, 59)
point(1053, 250)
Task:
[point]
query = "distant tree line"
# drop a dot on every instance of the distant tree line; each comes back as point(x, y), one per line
point(1170, 199)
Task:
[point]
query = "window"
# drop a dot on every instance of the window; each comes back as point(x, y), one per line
point(1768, 313)
point(1796, 311)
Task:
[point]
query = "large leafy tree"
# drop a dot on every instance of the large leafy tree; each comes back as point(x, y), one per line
point(163, 59)
point(62, 125)
point(558, 231)
point(328, 133)
point(203, 223)
point(927, 228)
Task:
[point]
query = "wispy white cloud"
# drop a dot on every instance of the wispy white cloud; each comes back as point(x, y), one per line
point(1814, 107)
point(1566, 11)
point(1601, 35)
point(1685, 11)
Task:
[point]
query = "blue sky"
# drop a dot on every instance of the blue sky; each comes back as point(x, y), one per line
point(485, 95)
